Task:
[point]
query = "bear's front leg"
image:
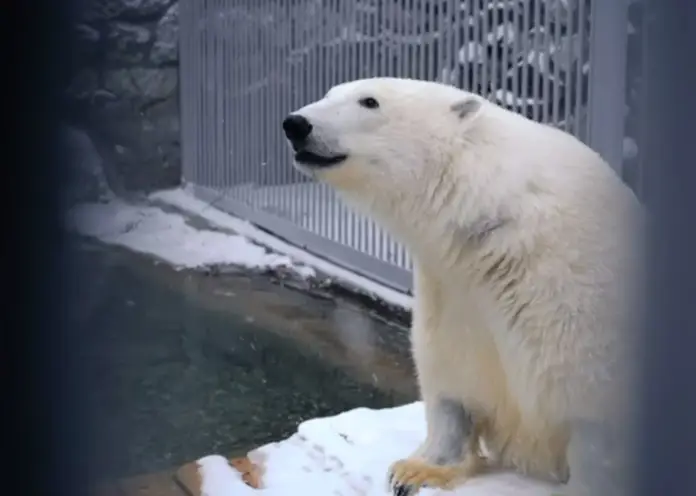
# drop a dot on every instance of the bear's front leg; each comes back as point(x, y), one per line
point(449, 455)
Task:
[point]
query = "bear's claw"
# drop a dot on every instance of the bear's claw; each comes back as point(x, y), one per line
point(407, 477)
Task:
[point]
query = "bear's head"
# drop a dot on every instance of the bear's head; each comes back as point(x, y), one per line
point(380, 140)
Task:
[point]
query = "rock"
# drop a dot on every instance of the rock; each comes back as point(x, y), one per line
point(161, 132)
point(142, 84)
point(128, 43)
point(166, 46)
point(87, 39)
point(156, 84)
point(125, 96)
point(83, 85)
point(102, 97)
point(87, 34)
point(87, 182)
point(140, 128)
point(96, 10)
point(143, 7)
point(120, 83)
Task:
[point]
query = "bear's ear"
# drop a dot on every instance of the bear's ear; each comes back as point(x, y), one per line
point(466, 108)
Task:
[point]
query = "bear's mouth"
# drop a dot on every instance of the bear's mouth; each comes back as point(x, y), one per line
point(305, 157)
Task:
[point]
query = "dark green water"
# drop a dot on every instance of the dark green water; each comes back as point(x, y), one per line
point(183, 365)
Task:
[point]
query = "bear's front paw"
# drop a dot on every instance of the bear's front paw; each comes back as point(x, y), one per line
point(407, 477)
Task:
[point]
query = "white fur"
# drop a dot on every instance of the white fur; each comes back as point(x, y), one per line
point(537, 344)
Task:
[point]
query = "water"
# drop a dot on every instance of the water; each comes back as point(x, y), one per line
point(183, 365)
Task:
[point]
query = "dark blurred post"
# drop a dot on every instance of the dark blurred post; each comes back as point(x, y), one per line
point(44, 403)
point(666, 458)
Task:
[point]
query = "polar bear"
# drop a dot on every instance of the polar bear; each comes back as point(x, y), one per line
point(525, 273)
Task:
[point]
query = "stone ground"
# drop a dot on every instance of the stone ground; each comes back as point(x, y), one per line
point(184, 364)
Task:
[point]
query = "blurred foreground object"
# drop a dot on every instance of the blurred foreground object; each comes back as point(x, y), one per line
point(666, 431)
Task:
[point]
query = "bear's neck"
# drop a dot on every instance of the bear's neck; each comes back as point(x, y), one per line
point(447, 241)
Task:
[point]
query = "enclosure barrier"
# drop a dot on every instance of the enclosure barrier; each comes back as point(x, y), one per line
point(245, 64)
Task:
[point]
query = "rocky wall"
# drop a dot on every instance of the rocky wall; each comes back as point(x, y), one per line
point(123, 97)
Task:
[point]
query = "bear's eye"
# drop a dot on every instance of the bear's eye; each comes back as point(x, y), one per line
point(369, 102)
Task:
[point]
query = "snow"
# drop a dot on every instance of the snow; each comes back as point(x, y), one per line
point(348, 454)
point(168, 236)
point(183, 198)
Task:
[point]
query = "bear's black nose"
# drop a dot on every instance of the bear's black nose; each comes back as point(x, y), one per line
point(296, 128)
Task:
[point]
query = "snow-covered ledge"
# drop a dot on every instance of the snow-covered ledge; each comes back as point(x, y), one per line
point(184, 200)
point(160, 225)
point(170, 237)
point(346, 454)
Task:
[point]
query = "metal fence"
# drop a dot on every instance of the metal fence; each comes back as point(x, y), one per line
point(246, 63)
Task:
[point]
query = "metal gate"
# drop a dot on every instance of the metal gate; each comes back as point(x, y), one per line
point(246, 63)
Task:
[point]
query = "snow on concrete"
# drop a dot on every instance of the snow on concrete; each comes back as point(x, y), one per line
point(349, 454)
point(168, 236)
point(183, 198)
point(315, 207)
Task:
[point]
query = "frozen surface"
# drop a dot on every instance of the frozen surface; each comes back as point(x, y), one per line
point(348, 454)
point(168, 236)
